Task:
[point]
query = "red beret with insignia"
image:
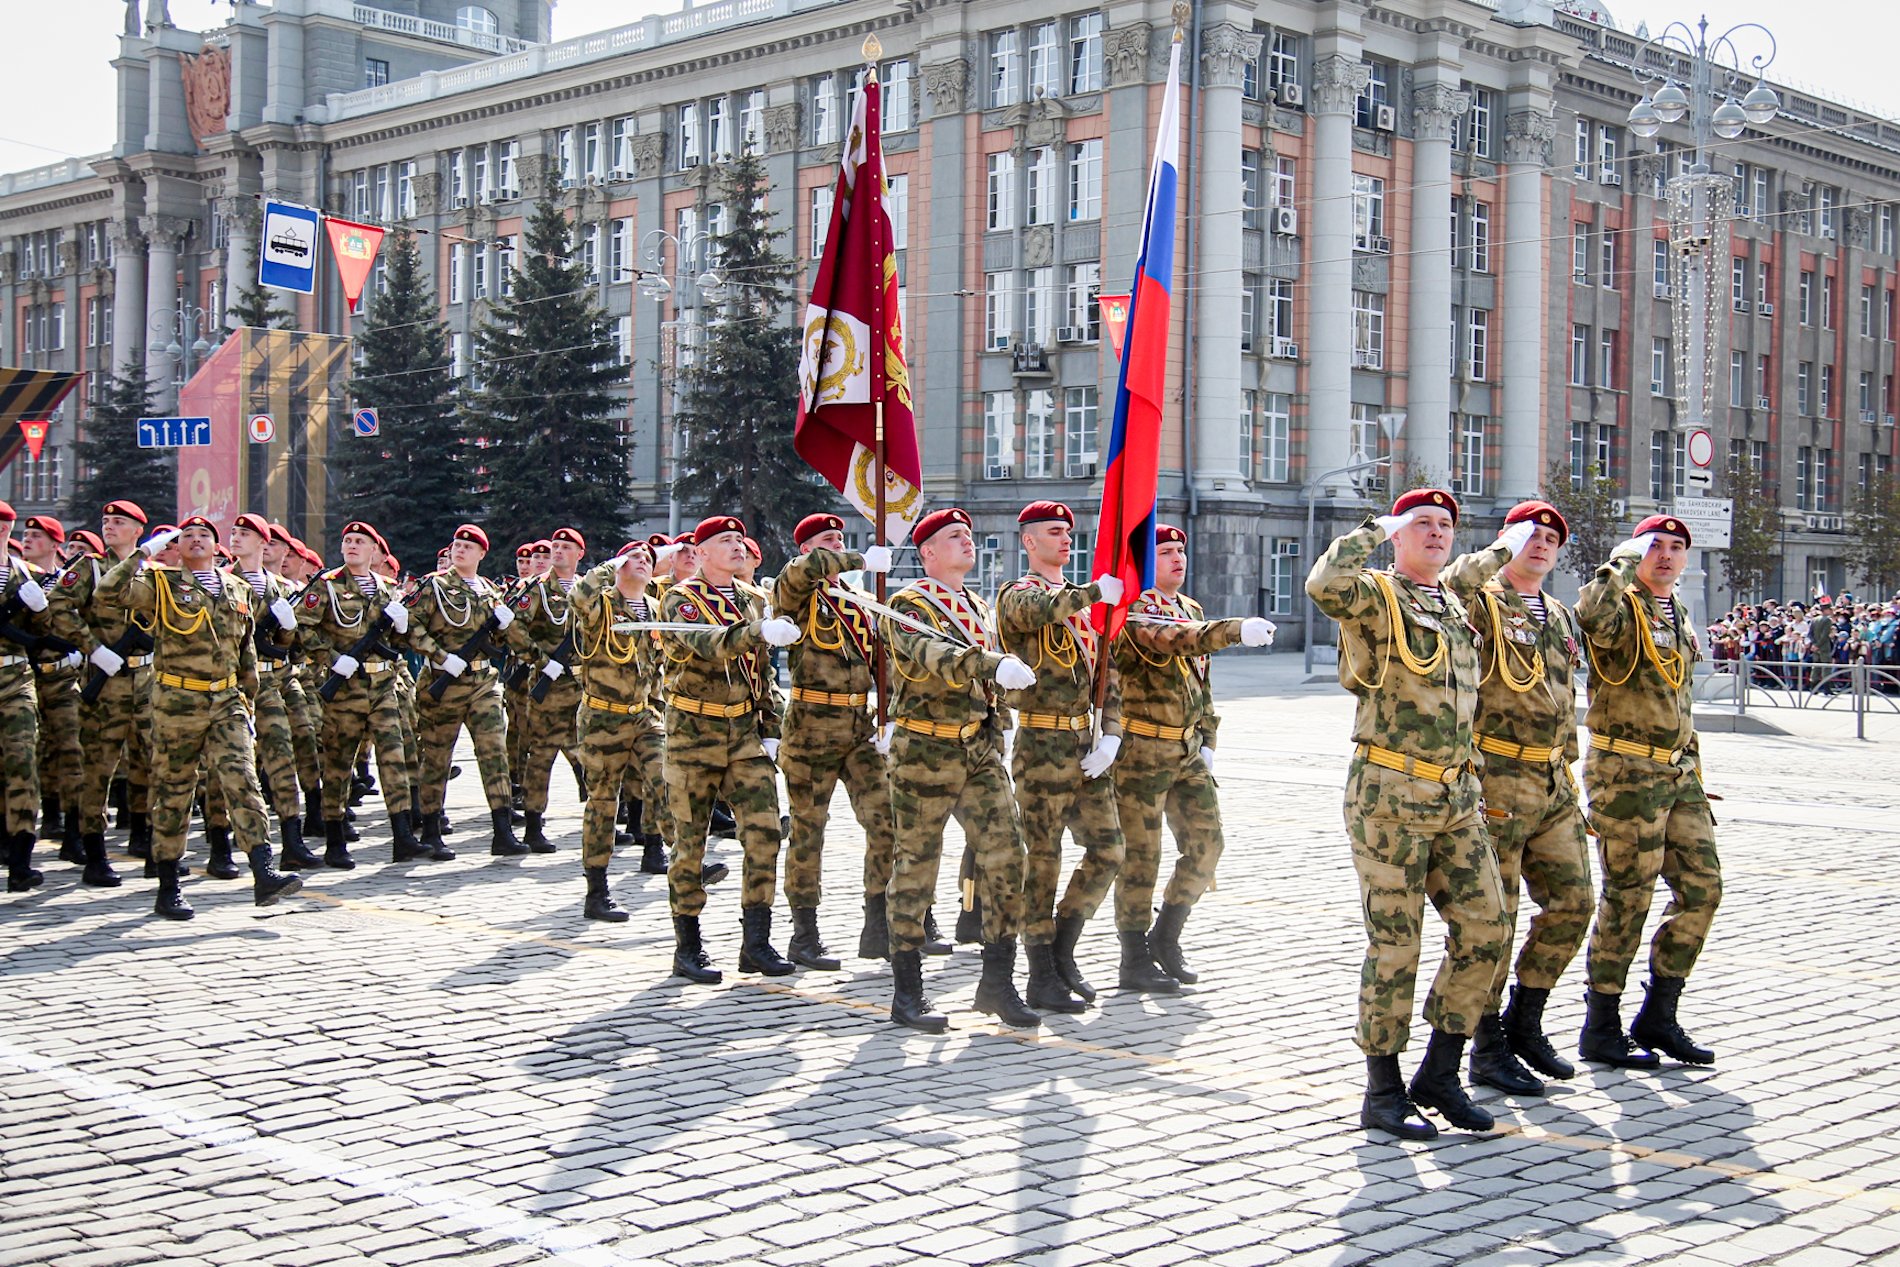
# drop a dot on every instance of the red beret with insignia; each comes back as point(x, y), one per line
point(936, 521)
point(713, 525)
point(543, 546)
point(1427, 499)
point(752, 548)
point(125, 510)
point(469, 532)
point(811, 525)
point(1543, 514)
point(1668, 525)
point(1166, 533)
point(635, 546)
point(199, 521)
point(684, 539)
point(570, 535)
point(48, 525)
point(90, 541)
point(361, 529)
point(1041, 512)
point(659, 539)
point(256, 523)
point(524, 550)
point(282, 533)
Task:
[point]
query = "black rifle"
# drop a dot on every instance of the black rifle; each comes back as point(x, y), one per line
point(133, 642)
point(368, 645)
point(31, 643)
point(262, 634)
point(477, 646)
point(562, 653)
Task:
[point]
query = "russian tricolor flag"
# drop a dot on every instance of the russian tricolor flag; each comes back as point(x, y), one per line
point(1125, 538)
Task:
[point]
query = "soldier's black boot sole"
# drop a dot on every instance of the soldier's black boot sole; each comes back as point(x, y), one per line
point(909, 1007)
point(1436, 1085)
point(1603, 1040)
point(503, 844)
point(1656, 1028)
point(1386, 1106)
point(1524, 1030)
point(534, 837)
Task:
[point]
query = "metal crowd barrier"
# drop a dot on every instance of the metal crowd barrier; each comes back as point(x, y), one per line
point(1798, 684)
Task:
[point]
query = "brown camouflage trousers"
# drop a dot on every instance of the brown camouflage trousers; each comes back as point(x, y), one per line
point(1651, 820)
point(618, 750)
point(115, 734)
point(1155, 777)
point(276, 750)
point(62, 762)
point(194, 730)
point(931, 779)
point(514, 703)
point(19, 749)
point(715, 759)
point(304, 710)
point(824, 744)
point(547, 732)
point(1051, 795)
point(474, 701)
point(411, 735)
point(1542, 844)
point(1414, 838)
point(367, 708)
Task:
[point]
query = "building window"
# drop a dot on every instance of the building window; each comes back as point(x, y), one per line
point(1884, 239)
point(1609, 151)
point(458, 251)
point(1658, 464)
point(1040, 173)
point(1376, 93)
point(1368, 329)
point(1283, 61)
point(505, 266)
point(1283, 574)
point(824, 110)
point(1082, 288)
point(1606, 360)
point(1827, 301)
point(1002, 191)
point(1580, 253)
point(1481, 236)
point(1006, 59)
point(1827, 391)
point(1606, 270)
point(1803, 466)
point(1738, 282)
point(1081, 556)
point(1659, 268)
point(999, 439)
point(1368, 213)
point(1039, 435)
point(1472, 133)
point(1478, 345)
point(1764, 283)
point(1251, 197)
point(1659, 367)
point(1285, 180)
point(1580, 356)
point(1580, 161)
point(897, 207)
point(1866, 312)
point(375, 72)
point(1081, 408)
point(998, 311)
point(1764, 375)
point(821, 200)
point(1085, 53)
point(1039, 304)
point(1045, 62)
point(479, 287)
point(897, 104)
point(1804, 298)
point(1825, 198)
point(1737, 388)
point(1803, 383)
point(1279, 300)
point(1468, 462)
point(688, 132)
point(1276, 429)
point(1085, 180)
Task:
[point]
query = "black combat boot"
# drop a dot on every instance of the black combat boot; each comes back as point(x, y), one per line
point(1048, 992)
point(267, 884)
point(970, 922)
point(99, 873)
point(151, 863)
point(711, 873)
point(934, 943)
point(218, 839)
point(313, 811)
point(722, 822)
point(71, 847)
point(362, 783)
point(432, 839)
point(403, 845)
point(756, 952)
point(336, 850)
point(171, 903)
point(138, 834)
point(534, 838)
point(1603, 1040)
point(1068, 933)
point(119, 797)
point(1493, 1064)
point(1386, 1106)
point(296, 855)
point(996, 988)
point(1138, 970)
point(442, 823)
point(689, 955)
point(1436, 1084)
point(1165, 942)
point(909, 1007)
point(49, 818)
point(21, 877)
point(504, 844)
point(874, 940)
point(1655, 1025)
point(600, 903)
point(653, 855)
point(1524, 1030)
point(807, 948)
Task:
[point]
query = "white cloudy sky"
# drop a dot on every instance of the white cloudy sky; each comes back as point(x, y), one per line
point(56, 84)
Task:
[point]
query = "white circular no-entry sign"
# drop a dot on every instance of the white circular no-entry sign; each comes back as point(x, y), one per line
point(1701, 448)
point(262, 429)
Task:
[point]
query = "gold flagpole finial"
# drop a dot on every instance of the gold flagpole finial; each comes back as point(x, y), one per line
point(872, 50)
point(1183, 14)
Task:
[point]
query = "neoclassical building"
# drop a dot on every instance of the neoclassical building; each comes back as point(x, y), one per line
point(1418, 229)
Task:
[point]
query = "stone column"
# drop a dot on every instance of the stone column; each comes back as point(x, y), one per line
point(945, 252)
point(1428, 427)
point(128, 298)
point(244, 217)
point(164, 233)
point(1527, 136)
point(1216, 267)
point(1336, 83)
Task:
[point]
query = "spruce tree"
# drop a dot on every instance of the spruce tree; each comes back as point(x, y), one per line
point(411, 479)
point(256, 305)
point(1590, 508)
point(548, 364)
point(111, 464)
point(738, 400)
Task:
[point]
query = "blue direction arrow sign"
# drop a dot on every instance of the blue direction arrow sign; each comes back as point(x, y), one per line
point(365, 422)
point(174, 433)
point(287, 257)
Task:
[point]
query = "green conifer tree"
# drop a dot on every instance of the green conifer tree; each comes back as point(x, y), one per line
point(111, 464)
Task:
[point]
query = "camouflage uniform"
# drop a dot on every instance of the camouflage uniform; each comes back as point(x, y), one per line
point(115, 729)
point(276, 752)
point(61, 760)
point(1420, 834)
point(547, 727)
point(622, 736)
point(451, 609)
point(19, 710)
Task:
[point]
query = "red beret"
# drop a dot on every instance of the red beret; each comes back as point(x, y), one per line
point(469, 532)
point(7, 512)
point(811, 525)
point(1166, 533)
point(224, 552)
point(936, 521)
point(1541, 513)
point(282, 533)
point(543, 546)
point(659, 539)
point(89, 541)
point(361, 529)
point(525, 549)
point(308, 555)
point(1039, 512)
point(14, 547)
point(714, 525)
point(256, 523)
point(635, 547)
point(570, 535)
point(125, 510)
point(199, 521)
point(1427, 498)
point(685, 539)
point(389, 560)
point(48, 525)
point(752, 548)
point(1668, 525)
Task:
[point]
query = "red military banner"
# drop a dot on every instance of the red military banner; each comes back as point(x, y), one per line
point(35, 433)
point(354, 246)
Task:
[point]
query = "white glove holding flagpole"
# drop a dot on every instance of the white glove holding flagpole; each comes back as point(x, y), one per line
point(1110, 588)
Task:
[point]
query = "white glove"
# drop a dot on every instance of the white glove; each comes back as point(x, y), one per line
point(883, 741)
point(1101, 756)
point(771, 750)
point(1111, 588)
point(552, 670)
point(285, 614)
point(398, 617)
point(1635, 548)
point(1517, 536)
point(345, 666)
point(1009, 741)
point(107, 661)
point(1257, 631)
point(454, 665)
point(664, 554)
point(32, 595)
point(1392, 523)
point(1013, 675)
point(778, 631)
point(503, 617)
point(158, 541)
point(877, 558)
point(71, 660)
point(1207, 759)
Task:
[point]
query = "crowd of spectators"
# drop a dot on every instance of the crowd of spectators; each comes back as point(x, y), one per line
point(1829, 631)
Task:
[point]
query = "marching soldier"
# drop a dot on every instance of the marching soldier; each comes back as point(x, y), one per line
point(60, 759)
point(721, 742)
point(22, 594)
point(1059, 763)
point(205, 667)
point(284, 559)
point(276, 757)
point(947, 757)
point(514, 686)
point(830, 735)
point(389, 568)
point(544, 635)
point(1414, 805)
point(1647, 802)
point(1527, 730)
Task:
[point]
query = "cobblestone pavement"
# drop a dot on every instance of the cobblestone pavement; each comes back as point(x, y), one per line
point(445, 1062)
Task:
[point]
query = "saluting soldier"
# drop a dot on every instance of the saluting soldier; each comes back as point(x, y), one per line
point(205, 668)
point(60, 759)
point(283, 559)
point(1059, 762)
point(1414, 805)
point(1647, 802)
point(1529, 651)
point(389, 568)
point(830, 734)
point(21, 588)
point(548, 723)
